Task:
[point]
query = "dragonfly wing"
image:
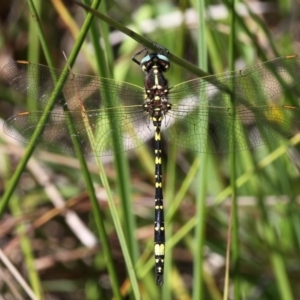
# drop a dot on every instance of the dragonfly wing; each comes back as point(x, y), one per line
point(249, 90)
point(132, 130)
point(249, 87)
point(38, 82)
point(208, 129)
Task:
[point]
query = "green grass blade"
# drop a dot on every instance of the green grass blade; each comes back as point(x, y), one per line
point(34, 45)
point(27, 251)
point(234, 226)
point(199, 239)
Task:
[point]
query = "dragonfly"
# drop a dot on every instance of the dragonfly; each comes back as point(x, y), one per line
point(195, 115)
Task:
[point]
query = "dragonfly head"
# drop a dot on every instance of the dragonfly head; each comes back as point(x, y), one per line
point(155, 60)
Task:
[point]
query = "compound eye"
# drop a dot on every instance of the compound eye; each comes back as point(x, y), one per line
point(159, 60)
point(163, 62)
point(146, 59)
point(163, 58)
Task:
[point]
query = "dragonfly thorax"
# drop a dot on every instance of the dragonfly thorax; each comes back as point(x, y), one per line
point(156, 87)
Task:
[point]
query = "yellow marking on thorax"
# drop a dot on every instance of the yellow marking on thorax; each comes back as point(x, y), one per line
point(156, 80)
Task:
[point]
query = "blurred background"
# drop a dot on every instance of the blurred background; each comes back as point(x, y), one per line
point(49, 231)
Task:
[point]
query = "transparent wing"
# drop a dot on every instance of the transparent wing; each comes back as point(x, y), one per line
point(134, 129)
point(254, 126)
point(103, 100)
point(251, 86)
point(256, 123)
point(38, 81)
